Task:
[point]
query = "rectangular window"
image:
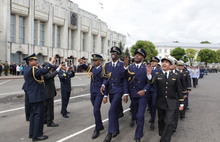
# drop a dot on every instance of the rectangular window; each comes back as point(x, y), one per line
point(53, 34)
point(160, 51)
point(165, 50)
point(109, 43)
point(58, 36)
point(93, 43)
point(35, 32)
point(72, 39)
point(102, 44)
point(21, 30)
point(42, 31)
point(84, 42)
point(12, 31)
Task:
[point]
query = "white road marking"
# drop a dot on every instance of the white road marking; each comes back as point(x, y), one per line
point(4, 82)
point(9, 110)
point(22, 92)
point(82, 131)
point(12, 93)
point(80, 85)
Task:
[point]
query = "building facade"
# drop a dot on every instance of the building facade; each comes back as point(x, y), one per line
point(52, 28)
point(164, 49)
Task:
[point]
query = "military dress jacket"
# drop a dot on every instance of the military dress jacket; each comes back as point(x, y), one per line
point(96, 77)
point(34, 83)
point(137, 80)
point(115, 79)
point(65, 80)
point(169, 91)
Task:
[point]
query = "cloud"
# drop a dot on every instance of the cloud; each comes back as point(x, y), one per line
point(159, 20)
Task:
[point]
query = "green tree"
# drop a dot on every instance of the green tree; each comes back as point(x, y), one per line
point(147, 46)
point(178, 53)
point(207, 56)
point(205, 42)
point(190, 55)
point(218, 56)
point(176, 41)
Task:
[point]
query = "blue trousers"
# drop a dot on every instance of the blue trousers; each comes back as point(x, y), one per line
point(138, 109)
point(36, 119)
point(27, 106)
point(115, 100)
point(96, 99)
point(152, 97)
point(65, 96)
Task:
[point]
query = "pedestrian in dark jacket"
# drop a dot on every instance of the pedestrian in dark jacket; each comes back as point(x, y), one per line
point(50, 94)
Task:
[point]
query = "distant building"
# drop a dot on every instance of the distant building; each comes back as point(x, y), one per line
point(164, 49)
point(52, 27)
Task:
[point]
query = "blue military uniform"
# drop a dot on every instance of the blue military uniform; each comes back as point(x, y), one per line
point(153, 92)
point(116, 85)
point(96, 97)
point(137, 81)
point(34, 85)
point(65, 83)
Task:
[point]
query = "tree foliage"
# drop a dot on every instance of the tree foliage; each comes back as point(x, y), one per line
point(207, 56)
point(178, 53)
point(147, 46)
point(205, 42)
point(218, 56)
point(190, 55)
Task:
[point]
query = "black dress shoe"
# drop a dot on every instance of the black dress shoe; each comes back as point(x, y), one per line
point(115, 133)
point(182, 116)
point(29, 136)
point(40, 138)
point(52, 124)
point(101, 128)
point(67, 112)
point(65, 116)
point(95, 134)
point(152, 126)
point(120, 115)
point(138, 140)
point(108, 138)
point(132, 123)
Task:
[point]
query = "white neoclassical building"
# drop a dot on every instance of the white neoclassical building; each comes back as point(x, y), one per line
point(164, 49)
point(52, 27)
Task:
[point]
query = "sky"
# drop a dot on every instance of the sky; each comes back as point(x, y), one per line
point(186, 21)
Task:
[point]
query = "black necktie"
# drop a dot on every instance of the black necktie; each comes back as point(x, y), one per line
point(166, 75)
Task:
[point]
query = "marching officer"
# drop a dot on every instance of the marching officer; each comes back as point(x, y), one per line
point(36, 94)
point(114, 85)
point(187, 80)
point(95, 72)
point(153, 92)
point(169, 92)
point(50, 93)
point(138, 84)
point(173, 69)
point(65, 75)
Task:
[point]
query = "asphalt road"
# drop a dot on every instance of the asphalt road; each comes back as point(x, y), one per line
point(200, 125)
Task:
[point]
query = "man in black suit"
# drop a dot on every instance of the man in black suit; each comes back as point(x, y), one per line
point(65, 75)
point(50, 94)
point(169, 93)
point(187, 85)
point(34, 85)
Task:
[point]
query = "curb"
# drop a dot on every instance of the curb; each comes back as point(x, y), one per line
point(21, 77)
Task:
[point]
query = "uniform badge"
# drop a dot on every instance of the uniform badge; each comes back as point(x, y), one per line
point(173, 78)
point(64, 74)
